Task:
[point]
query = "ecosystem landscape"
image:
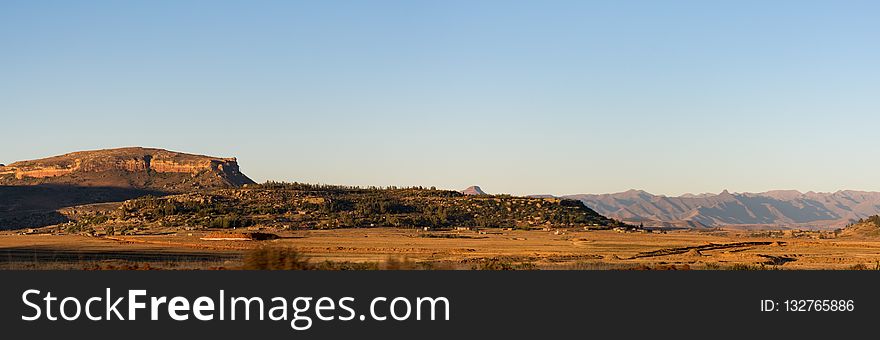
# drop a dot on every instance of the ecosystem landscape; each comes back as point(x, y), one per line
point(142, 208)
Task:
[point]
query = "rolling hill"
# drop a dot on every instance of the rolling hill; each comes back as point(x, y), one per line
point(297, 205)
point(869, 227)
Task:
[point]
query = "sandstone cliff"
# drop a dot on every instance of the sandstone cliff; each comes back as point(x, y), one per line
point(128, 167)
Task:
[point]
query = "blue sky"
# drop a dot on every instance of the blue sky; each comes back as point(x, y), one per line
point(519, 97)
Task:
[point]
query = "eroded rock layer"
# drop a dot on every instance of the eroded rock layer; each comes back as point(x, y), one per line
point(128, 167)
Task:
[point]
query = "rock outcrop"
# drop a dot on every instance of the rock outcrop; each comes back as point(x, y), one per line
point(32, 193)
point(128, 167)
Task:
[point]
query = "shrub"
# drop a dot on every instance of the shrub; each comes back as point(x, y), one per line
point(496, 264)
point(232, 221)
point(286, 258)
point(275, 258)
point(858, 266)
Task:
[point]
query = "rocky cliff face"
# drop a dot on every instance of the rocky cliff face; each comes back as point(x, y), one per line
point(128, 167)
point(32, 193)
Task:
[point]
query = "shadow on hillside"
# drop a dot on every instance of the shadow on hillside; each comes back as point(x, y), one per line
point(36, 206)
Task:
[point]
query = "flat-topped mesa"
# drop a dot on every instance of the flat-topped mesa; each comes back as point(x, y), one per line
point(134, 167)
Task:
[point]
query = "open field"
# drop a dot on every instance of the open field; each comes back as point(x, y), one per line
point(47, 251)
point(488, 249)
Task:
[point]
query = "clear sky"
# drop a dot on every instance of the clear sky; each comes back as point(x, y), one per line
point(521, 97)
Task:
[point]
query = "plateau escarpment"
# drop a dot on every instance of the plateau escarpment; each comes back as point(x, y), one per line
point(129, 168)
point(32, 192)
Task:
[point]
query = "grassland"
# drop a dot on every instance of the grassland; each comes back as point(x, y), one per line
point(396, 248)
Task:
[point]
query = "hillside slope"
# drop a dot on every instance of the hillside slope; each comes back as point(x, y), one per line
point(318, 206)
point(869, 227)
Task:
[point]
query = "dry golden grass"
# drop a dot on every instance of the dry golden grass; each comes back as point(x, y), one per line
point(389, 248)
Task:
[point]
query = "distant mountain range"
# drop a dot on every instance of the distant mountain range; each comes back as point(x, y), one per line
point(782, 208)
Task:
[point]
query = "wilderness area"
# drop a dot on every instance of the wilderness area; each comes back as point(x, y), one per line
point(137, 208)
